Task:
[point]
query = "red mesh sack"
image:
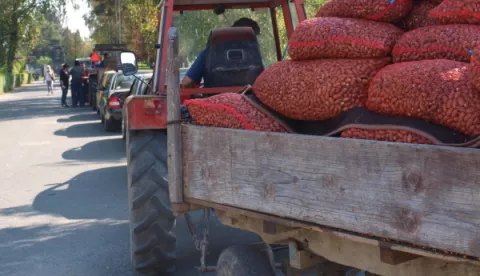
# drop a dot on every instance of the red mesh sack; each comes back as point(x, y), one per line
point(455, 42)
point(457, 12)
point(438, 91)
point(389, 135)
point(333, 37)
point(377, 10)
point(316, 89)
point(231, 110)
point(419, 16)
point(475, 68)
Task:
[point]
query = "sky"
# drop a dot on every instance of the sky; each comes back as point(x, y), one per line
point(74, 20)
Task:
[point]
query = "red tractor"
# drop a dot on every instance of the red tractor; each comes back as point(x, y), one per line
point(152, 218)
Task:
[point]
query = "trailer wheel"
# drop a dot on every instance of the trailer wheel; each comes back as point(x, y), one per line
point(243, 260)
point(152, 240)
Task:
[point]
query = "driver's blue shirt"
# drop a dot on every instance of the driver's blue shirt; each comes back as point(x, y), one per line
point(198, 69)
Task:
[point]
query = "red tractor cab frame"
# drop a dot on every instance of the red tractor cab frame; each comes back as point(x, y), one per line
point(150, 111)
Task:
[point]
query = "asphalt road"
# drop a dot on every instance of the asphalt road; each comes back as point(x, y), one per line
point(63, 194)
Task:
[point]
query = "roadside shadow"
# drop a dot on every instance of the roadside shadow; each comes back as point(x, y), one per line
point(79, 118)
point(92, 151)
point(74, 248)
point(93, 129)
point(35, 108)
point(95, 194)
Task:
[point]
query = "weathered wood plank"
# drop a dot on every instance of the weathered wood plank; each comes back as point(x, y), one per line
point(426, 195)
point(175, 173)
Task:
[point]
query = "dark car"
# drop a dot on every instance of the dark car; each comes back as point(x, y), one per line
point(110, 105)
point(139, 87)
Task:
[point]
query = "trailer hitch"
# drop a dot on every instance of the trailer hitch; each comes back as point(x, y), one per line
point(200, 245)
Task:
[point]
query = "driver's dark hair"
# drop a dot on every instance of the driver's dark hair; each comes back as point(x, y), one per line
point(247, 22)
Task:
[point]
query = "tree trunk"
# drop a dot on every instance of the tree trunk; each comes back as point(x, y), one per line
point(12, 49)
point(13, 39)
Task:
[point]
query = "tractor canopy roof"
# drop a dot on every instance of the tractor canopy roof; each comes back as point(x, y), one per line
point(220, 5)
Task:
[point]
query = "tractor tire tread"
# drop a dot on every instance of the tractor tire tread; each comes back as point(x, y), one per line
point(151, 218)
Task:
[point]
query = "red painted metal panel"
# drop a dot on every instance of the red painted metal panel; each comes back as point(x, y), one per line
point(301, 15)
point(206, 91)
point(278, 48)
point(146, 112)
point(168, 23)
point(231, 6)
point(288, 19)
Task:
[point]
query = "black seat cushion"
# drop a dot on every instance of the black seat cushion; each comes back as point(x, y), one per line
point(232, 57)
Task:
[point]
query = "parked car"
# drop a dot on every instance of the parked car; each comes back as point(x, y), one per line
point(109, 104)
point(139, 87)
point(104, 84)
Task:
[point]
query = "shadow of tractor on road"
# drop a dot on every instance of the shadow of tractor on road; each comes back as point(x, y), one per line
point(80, 118)
point(102, 195)
point(96, 194)
point(93, 129)
point(35, 108)
point(92, 151)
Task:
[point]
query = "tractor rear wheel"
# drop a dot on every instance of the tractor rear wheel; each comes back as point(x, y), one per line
point(152, 239)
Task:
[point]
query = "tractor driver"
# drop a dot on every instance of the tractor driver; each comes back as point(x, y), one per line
point(198, 70)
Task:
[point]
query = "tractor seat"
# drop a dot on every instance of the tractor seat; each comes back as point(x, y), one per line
point(232, 57)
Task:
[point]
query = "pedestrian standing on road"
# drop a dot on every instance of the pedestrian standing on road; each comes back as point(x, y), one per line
point(77, 95)
point(64, 80)
point(85, 75)
point(49, 79)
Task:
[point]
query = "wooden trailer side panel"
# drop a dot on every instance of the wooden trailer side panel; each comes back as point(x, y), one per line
point(425, 195)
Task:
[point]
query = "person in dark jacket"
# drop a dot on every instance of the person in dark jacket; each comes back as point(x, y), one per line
point(64, 80)
point(77, 95)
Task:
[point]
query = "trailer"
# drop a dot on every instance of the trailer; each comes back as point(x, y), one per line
point(112, 62)
point(390, 209)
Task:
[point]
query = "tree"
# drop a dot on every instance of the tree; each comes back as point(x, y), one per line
point(52, 33)
point(20, 22)
point(101, 21)
point(140, 28)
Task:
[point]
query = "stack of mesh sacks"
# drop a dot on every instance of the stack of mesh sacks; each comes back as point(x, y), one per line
point(333, 61)
point(407, 59)
point(341, 60)
point(431, 77)
point(334, 57)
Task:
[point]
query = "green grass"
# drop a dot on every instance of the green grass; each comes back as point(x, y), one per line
point(143, 66)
